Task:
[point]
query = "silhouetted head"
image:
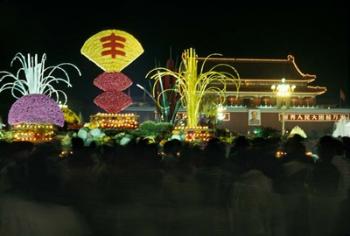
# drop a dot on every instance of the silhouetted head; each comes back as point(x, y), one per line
point(214, 152)
point(328, 147)
point(241, 142)
point(172, 148)
point(77, 143)
point(295, 149)
point(346, 145)
point(20, 150)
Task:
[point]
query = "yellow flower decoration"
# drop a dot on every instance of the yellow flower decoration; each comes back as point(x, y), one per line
point(112, 50)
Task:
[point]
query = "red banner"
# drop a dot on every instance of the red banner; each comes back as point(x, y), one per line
point(319, 117)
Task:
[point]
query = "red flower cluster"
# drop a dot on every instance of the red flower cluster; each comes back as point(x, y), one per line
point(113, 100)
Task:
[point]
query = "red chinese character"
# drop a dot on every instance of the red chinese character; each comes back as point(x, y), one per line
point(113, 43)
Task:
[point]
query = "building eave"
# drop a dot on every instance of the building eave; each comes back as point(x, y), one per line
point(277, 80)
point(271, 94)
point(290, 60)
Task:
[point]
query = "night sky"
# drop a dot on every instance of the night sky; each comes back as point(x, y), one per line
point(317, 37)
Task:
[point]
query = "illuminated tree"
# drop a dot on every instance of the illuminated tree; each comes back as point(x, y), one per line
point(193, 85)
point(36, 79)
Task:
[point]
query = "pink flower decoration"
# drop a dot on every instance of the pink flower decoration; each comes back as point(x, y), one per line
point(36, 109)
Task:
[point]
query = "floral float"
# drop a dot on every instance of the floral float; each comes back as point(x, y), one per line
point(193, 85)
point(36, 113)
point(123, 121)
point(112, 50)
point(71, 119)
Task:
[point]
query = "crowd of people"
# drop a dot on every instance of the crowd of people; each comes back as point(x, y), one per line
point(179, 189)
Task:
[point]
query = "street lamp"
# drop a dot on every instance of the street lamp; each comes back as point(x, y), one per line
point(283, 92)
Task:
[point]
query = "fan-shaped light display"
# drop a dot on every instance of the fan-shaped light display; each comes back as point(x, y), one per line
point(112, 50)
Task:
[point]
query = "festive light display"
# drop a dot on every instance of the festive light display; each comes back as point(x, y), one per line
point(112, 50)
point(114, 121)
point(69, 115)
point(113, 101)
point(193, 85)
point(112, 81)
point(71, 119)
point(33, 132)
point(169, 101)
point(220, 112)
point(297, 130)
point(38, 79)
point(200, 133)
point(35, 109)
point(280, 154)
point(283, 89)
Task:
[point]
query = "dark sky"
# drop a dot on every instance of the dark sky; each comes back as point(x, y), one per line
point(317, 37)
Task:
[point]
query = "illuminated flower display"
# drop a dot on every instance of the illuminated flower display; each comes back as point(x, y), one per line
point(114, 121)
point(33, 133)
point(70, 116)
point(168, 103)
point(112, 81)
point(34, 78)
point(199, 134)
point(112, 50)
point(113, 101)
point(36, 109)
point(193, 83)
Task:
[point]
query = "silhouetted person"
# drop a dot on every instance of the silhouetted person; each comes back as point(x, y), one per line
point(296, 171)
point(324, 201)
point(33, 206)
